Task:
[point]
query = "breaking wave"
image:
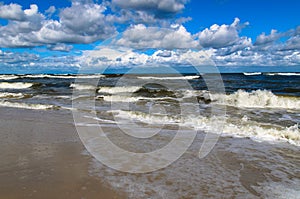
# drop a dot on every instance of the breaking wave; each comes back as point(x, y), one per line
point(64, 76)
point(12, 95)
point(82, 87)
point(8, 77)
point(15, 85)
point(256, 99)
point(113, 90)
point(283, 74)
point(250, 74)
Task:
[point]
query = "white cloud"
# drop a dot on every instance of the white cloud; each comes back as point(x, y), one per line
point(126, 57)
point(167, 6)
point(142, 37)
point(86, 19)
point(80, 23)
point(50, 11)
point(60, 47)
point(12, 12)
point(86, 22)
point(221, 36)
point(293, 43)
point(32, 11)
point(264, 39)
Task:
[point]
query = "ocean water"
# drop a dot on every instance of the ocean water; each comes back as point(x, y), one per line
point(261, 108)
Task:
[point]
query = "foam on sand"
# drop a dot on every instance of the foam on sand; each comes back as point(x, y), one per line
point(26, 106)
point(254, 130)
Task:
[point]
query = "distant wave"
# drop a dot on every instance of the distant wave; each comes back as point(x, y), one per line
point(257, 131)
point(26, 106)
point(8, 77)
point(15, 85)
point(169, 78)
point(256, 99)
point(250, 74)
point(283, 74)
point(64, 76)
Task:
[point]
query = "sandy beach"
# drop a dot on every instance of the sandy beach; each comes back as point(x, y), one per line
point(42, 157)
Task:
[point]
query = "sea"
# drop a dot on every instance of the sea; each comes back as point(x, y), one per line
point(260, 132)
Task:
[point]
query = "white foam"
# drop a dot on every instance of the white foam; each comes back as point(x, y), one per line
point(26, 106)
point(250, 74)
point(11, 95)
point(246, 128)
point(169, 78)
point(120, 98)
point(82, 87)
point(15, 85)
point(65, 76)
point(283, 74)
point(8, 77)
point(147, 118)
point(256, 99)
point(122, 89)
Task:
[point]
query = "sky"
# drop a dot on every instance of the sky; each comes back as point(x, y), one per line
point(64, 36)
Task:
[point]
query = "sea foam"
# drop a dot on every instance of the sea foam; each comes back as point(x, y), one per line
point(15, 85)
point(246, 128)
point(26, 106)
point(121, 89)
point(256, 99)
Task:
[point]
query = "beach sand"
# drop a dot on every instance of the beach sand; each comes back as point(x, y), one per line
point(41, 157)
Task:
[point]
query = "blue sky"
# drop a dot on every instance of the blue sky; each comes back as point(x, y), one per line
point(61, 36)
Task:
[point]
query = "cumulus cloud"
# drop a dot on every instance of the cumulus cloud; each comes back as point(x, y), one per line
point(24, 62)
point(142, 37)
point(86, 22)
point(50, 11)
point(221, 36)
point(11, 58)
point(264, 39)
point(86, 19)
point(124, 57)
point(80, 23)
point(157, 6)
point(12, 12)
point(60, 47)
point(292, 44)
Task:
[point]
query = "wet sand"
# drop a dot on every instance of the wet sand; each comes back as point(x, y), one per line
point(42, 157)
